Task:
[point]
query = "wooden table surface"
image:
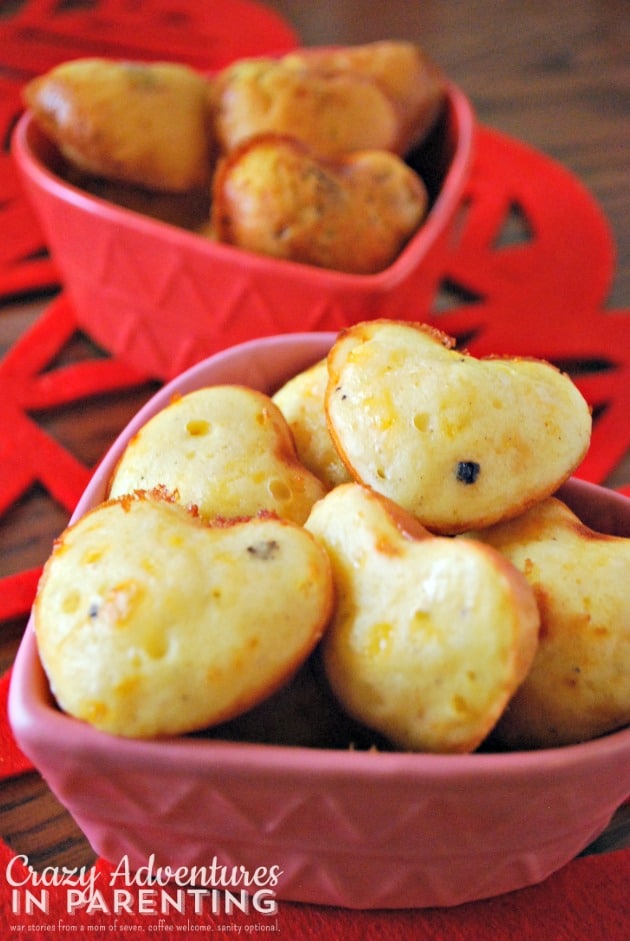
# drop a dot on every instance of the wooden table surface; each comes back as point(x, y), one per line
point(554, 74)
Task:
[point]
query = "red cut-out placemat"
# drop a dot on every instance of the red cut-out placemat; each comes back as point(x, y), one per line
point(205, 34)
point(27, 453)
point(12, 760)
point(535, 285)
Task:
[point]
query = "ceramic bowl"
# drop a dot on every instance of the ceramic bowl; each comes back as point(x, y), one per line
point(163, 298)
point(359, 829)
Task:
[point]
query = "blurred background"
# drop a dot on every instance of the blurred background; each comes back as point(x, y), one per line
point(553, 74)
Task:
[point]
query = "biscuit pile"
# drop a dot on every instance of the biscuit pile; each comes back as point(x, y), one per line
point(372, 553)
point(300, 158)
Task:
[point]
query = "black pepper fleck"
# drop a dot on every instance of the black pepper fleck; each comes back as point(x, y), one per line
point(467, 471)
point(264, 550)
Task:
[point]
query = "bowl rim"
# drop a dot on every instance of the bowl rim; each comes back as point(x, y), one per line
point(463, 120)
point(37, 722)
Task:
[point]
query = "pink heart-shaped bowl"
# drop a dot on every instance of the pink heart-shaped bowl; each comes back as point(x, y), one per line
point(361, 829)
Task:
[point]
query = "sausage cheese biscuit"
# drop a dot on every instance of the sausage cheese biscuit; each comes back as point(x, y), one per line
point(152, 622)
point(430, 636)
point(459, 442)
point(226, 450)
point(579, 683)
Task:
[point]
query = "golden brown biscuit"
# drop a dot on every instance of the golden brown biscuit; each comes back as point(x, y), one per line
point(151, 622)
point(301, 401)
point(579, 684)
point(142, 124)
point(430, 636)
point(334, 113)
point(460, 442)
point(402, 69)
point(227, 450)
point(275, 197)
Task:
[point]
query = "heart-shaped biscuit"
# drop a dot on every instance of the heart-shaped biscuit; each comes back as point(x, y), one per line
point(276, 197)
point(431, 636)
point(459, 442)
point(145, 124)
point(151, 622)
point(412, 81)
point(333, 111)
point(579, 684)
point(301, 401)
point(227, 450)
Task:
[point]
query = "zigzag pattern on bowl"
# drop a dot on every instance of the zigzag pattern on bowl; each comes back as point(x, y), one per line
point(338, 874)
point(328, 848)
